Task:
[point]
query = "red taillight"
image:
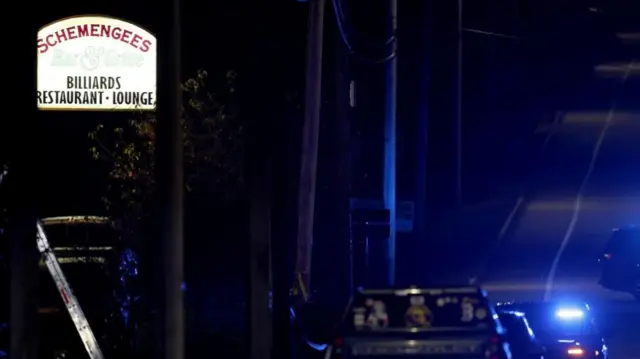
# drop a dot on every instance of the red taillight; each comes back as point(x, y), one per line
point(337, 348)
point(607, 256)
point(493, 348)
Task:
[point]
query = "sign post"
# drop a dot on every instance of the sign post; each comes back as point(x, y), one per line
point(169, 175)
point(100, 63)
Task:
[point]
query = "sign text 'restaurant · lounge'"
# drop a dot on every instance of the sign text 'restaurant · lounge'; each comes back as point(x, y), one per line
point(96, 63)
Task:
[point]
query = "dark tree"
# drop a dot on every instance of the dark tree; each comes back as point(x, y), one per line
point(213, 150)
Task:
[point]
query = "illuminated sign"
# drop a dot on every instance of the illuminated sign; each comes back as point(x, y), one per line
point(96, 63)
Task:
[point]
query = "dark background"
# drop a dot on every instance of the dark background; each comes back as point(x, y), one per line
point(509, 88)
point(509, 85)
point(215, 37)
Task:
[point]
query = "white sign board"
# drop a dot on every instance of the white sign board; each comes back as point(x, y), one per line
point(96, 63)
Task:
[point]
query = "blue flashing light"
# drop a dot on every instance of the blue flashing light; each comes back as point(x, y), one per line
point(316, 346)
point(569, 313)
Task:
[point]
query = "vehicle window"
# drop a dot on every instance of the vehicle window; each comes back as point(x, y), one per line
point(436, 310)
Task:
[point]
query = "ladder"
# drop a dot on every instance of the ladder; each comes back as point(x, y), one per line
point(69, 299)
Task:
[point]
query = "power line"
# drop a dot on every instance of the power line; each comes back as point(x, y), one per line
point(481, 32)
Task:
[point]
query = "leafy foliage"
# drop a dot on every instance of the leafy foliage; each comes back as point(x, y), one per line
point(213, 151)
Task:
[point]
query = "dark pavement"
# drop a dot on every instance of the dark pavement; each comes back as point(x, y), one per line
point(588, 184)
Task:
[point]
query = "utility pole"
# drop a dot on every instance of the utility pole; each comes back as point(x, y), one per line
point(23, 208)
point(169, 174)
point(309, 158)
point(422, 140)
point(342, 123)
point(267, 328)
point(389, 184)
point(260, 318)
point(458, 110)
point(23, 258)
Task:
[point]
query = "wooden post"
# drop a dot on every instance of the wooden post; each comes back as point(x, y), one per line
point(309, 158)
point(169, 175)
point(23, 192)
